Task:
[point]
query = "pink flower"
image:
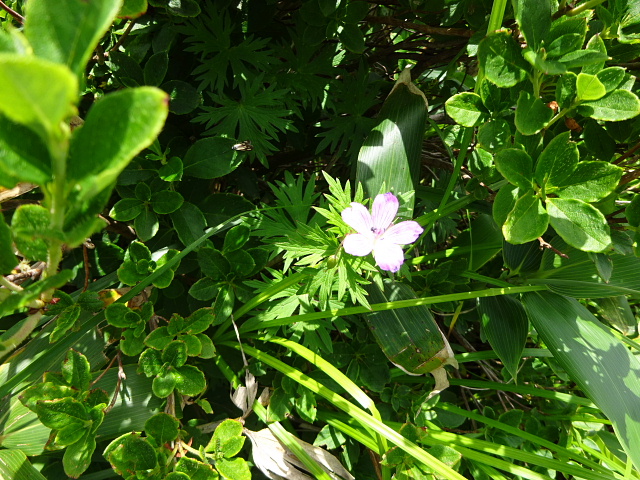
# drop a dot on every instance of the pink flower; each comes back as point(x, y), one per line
point(376, 234)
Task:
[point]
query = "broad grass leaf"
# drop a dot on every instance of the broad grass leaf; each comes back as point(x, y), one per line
point(391, 152)
point(576, 274)
point(602, 366)
point(14, 464)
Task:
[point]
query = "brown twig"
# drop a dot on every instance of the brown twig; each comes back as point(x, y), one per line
point(544, 244)
point(121, 376)
point(627, 154)
point(427, 29)
point(12, 12)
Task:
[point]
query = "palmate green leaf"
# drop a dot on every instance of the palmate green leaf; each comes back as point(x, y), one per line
point(67, 33)
point(35, 92)
point(506, 326)
point(258, 115)
point(581, 225)
point(117, 127)
point(501, 60)
point(391, 152)
point(602, 366)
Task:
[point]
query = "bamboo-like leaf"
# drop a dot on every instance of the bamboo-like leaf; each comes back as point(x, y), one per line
point(577, 276)
point(506, 326)
point(410, 338)
point(391, 153)
point(15, 465)
point(603, 367)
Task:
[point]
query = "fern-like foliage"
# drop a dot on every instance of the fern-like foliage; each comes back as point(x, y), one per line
point(257, 115)
point(346, 129)
point(306, 239)
point(213, 37)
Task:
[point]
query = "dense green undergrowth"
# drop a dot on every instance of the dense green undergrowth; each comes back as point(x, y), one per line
point(377, 240)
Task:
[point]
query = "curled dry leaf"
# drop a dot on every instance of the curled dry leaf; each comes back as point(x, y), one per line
point(277, 462)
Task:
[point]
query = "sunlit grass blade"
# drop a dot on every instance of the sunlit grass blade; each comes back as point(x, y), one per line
point(357, 413)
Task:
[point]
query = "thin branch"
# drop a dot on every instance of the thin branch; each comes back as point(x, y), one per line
point(427, 29)
point(12, 12)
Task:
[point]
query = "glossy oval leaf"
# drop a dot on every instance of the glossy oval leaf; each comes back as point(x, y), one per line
point(527, 221)
point(35, 92)
point(581, 225)
point(68, 32)
point(117, 127)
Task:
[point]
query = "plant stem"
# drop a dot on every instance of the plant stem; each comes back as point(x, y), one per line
point(585, 6)
point(497, 15)
point(255, 323)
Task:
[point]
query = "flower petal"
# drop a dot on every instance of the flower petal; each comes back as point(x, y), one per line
point(384, 210)
point(358, 244)
point(388, 256)
point(402, 233)
point(358, 217)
